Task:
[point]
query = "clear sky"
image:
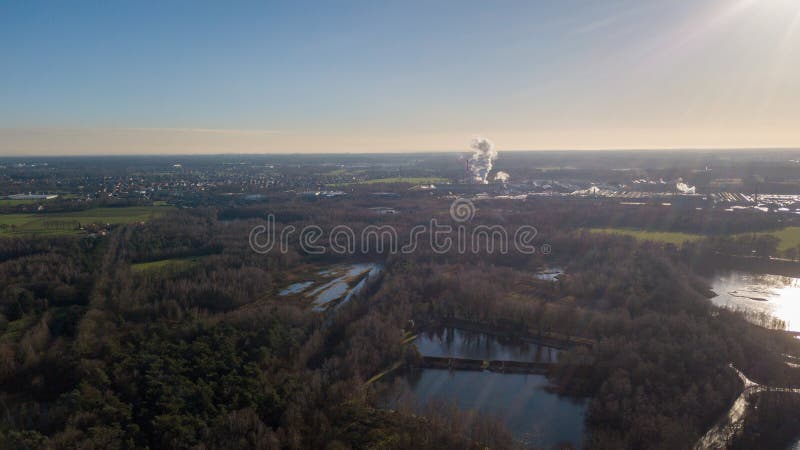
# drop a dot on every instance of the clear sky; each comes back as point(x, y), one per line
point(338, 76)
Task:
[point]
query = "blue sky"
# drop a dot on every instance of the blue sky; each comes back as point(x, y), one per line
point(200, 76)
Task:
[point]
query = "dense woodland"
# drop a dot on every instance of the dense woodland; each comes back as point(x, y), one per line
point(95, 354)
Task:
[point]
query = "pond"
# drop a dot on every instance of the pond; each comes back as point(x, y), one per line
point(374, 270)
point(771, 295)
point(458, 343)
point(550, 274)
point(335, 285)
point(295, 288)
point(535, 416)
point(340, 287)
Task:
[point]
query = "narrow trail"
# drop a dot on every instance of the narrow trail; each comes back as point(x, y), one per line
point(731, 424)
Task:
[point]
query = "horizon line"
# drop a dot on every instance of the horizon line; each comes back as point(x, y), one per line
point(401, 152)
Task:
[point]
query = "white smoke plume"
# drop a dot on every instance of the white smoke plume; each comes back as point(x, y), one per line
point(480, 164)
point(502, 176)
point(684, 188)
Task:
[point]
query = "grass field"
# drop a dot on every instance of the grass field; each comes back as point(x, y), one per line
point(789, 237)
point(408, 180)
point(339, 172)
point(67, 222)
point(162, 264)
point(29, 201)
point(15, 202)
point(644, 235)
point(396, 180)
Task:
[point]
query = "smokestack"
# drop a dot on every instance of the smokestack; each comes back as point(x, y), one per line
point(465, 162)
point(480, 164)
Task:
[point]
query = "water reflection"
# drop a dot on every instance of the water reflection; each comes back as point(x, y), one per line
point(551, 274)
point(536, 417)
point(458, 343)
point(295, 288)
point(774, 295)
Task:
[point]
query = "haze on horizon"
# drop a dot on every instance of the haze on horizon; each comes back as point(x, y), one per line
point(267, 77)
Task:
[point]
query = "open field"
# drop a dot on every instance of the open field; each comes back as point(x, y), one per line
point(162, 264)
point(668, 237)
point(343, 171)
point(69, 222)
point(397, 180)
point(408, 180)
point(31, 201)
point(16, 202)
point(789, 236)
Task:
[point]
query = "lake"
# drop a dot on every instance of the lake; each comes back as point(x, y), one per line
point(776, 295)
point(536, 417)
point(458, 343)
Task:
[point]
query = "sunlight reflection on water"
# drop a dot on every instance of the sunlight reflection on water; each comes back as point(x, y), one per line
point(776, 295)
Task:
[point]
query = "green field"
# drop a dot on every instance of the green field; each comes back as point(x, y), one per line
point(30, 201)
point(396, 180)
point(68, 222)
point(339, 172)
point(668, 237)
point(408, 180)
point(16, 202)
point(162, 264)
point(789, 237)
